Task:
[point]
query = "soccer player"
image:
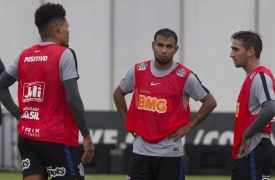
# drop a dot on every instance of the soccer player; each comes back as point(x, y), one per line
point(159, 114)
point(252, 148)
point(50, 111)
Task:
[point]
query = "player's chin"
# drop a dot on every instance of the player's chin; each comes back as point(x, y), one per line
point(163, 61)
point(238, 65)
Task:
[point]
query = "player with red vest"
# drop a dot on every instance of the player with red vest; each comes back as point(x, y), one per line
point(252, 148)
point(50, 111)
point(159, 113)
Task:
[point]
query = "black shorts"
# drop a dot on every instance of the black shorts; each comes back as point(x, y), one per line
point(257, 165)
point(155, 168)
point(58, 161)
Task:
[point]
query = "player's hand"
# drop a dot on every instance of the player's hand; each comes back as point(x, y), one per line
point(89, 149)
point(182, 131)
point(244, 146)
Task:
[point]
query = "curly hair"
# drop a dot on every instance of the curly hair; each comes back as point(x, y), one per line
point(167, 33)
point(48, 13)
point(250, 39)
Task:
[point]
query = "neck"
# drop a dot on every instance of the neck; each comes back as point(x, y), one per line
point(163, 66)
point(49, 39)
point(252, 65)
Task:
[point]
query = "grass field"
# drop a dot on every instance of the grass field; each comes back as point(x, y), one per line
point(17, 176)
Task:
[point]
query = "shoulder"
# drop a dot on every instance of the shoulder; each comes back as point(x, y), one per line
point(193, 78)
point(142, 65)
point(261, 79)
point(69, 52)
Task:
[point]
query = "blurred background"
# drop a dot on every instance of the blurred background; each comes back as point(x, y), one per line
point(110, 36)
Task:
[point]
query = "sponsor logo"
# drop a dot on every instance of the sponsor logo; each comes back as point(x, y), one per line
point(36, 51)
point(144, 91)
point(152, 104)
point(154, 84)
point(58, 171)
point(142, 66)
point(33, 91)
point(30, 113)
point(181, 72)
point(34, 132)
point(35, 58)
point(25, 163)
point(81, 169)
point(176, 149)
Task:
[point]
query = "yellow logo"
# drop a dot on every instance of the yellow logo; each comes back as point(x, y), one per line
point(152, 104)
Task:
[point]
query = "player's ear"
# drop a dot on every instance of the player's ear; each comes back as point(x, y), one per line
point(153, 44)
point(176, 48)
point(251, 51)
point(59, 27)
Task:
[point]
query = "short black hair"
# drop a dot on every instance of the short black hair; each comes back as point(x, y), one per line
point(48, 13)
point(167, 33)
point(250, 39)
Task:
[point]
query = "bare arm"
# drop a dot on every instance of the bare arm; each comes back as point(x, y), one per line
point(208, 105)
point(119, 99)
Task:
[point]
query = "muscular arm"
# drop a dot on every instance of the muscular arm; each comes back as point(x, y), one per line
point(208, 105)
point(119, 99)
point(198, 92)
point(5, 97)
point(127, 85)
point(264, 117)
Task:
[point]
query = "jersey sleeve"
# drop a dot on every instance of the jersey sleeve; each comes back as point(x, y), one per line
point(127, 84)
point(12, 70)
point(194, 88)
point(262, 88)
point(68, 65)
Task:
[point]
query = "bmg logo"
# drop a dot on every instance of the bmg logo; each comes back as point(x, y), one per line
point(33, 91)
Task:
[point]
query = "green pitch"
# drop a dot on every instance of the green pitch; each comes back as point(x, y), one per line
point(18, 176)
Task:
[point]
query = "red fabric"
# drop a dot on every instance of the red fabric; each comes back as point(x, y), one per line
point(243, 116)
point(42, 99)
point(157, 107)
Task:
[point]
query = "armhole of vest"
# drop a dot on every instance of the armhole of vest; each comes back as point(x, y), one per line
point(75, 60)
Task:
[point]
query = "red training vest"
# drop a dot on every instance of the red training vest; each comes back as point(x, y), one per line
point(41, 96)
point(157, 107)
point(243, 116)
